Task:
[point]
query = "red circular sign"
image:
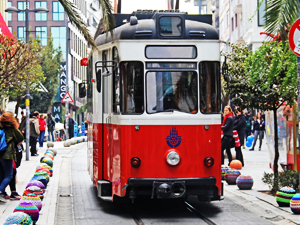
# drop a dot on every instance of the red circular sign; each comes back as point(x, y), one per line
point(294, 37)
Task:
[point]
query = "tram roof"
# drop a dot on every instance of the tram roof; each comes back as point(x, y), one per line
point(147, 26)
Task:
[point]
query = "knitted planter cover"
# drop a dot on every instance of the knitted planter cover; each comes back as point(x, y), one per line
point(224, 169)
point(244, 182)
point(43, 173)
point(48, 168)
point(36, 183)
point(35, 200)
point(47, 160)
point(236, 164)
point(49, 155)
point(18, 218)
point(284, 195)
point(49, 151)
point(34, 190)
point(54, 151)
point(41, 164)
point(231, 176)
point(30, 209)
point(295, 203)
point(41, 179)
point(44, 169)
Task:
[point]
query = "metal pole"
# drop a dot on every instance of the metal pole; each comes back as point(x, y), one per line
point(27, 100)
point(67, 80)
point(298, 80)
point(200, 4)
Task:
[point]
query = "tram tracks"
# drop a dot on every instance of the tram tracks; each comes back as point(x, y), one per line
point(138, 220)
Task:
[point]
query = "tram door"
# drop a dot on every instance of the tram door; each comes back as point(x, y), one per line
point(107, 114)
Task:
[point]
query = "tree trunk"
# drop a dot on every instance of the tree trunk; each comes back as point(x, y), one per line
point(17, 106)
point(276, 158)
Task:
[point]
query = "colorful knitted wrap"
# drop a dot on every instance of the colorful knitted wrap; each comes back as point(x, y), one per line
point(50, 152)
point(44, 169)
point(284, 195)
point(47, 160)
point(18, 218)
point(41, 164)
point(236, 164)
point(34, 190)
point(244, 182)
point(295, 203)
point(49, 155)
point(35, 200)
point(36, 183)
point(231, 176)
point(48, 168)
point(41, 179)
point(43, 173)
point(224, 169)
point(30, 209)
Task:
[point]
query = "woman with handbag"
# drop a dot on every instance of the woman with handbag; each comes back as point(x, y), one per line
point(12, 136)
point(227, 128)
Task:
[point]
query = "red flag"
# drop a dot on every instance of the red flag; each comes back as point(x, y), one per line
point(4, 29)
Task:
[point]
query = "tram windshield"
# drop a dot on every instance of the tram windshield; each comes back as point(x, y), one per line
point(169, 91)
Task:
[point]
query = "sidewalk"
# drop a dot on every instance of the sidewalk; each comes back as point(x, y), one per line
point(25, 173)
point(256, 163)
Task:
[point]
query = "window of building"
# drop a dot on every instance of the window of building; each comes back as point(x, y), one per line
point(58, 13)
point(22, 6)
point(261, 13)
point(236, 20)
point(41, 16)
point(21, 33)
point(232, 24)
point(41, 33)
point(10, 29)
point(59, 38)
point(9, 15)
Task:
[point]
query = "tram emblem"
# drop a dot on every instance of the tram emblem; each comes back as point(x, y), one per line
point(173, 140)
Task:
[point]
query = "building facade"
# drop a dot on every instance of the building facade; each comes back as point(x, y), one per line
point(241, 22)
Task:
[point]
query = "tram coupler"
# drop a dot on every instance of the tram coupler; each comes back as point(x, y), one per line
point(132, 195)
point(175, 189)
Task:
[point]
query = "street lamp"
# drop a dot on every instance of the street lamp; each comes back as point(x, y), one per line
point(27, 10)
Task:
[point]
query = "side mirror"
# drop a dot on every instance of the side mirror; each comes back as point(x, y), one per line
point(82, 90)
point(98, 80)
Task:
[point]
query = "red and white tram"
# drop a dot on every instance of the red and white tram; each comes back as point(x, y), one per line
point(154, 108)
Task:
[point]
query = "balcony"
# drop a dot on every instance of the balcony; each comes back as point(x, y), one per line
point(237, 6)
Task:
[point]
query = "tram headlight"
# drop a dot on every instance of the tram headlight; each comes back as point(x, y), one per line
point(209, 161)
point(173, 158)
point(135, 162)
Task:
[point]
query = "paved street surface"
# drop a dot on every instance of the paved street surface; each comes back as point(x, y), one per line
point(71, 199)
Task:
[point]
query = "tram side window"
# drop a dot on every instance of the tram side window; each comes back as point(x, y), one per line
point(132, 81)
point(209, 78)
point(116, 82)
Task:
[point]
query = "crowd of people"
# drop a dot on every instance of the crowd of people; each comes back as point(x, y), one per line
point(13, 135)
point(236, 127)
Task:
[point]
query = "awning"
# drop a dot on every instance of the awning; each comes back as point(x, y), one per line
point(4, 29)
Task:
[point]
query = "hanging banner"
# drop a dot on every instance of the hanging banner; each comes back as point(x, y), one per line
point(4, 28)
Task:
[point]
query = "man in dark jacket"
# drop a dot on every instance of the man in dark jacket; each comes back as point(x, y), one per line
point(239, 126)
point(34, 132)
point(70, 122)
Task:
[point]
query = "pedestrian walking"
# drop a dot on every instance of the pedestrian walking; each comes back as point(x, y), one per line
point(227, 128)
point(22, 127)
point(13, 137)
point(34, 132)
point(70, 122)
point(259, 129)
point(42, 128)
point(50, 126)
point(239, 126)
